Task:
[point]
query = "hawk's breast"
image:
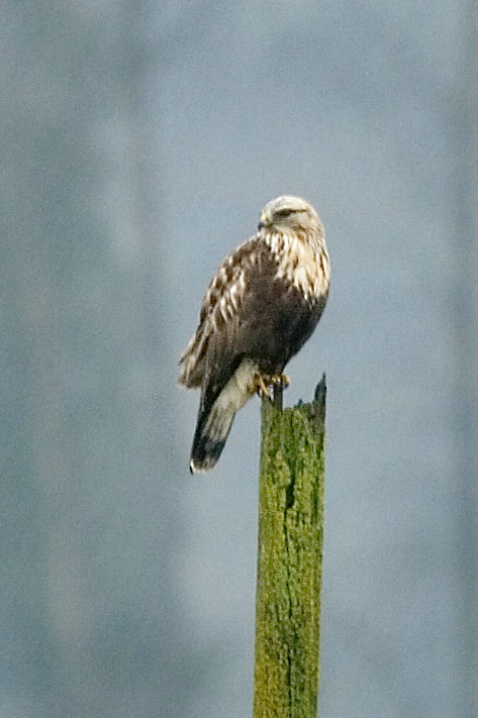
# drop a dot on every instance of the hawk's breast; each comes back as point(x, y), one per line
point(300, 264)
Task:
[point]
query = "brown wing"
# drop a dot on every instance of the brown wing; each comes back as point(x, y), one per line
point(221, 317)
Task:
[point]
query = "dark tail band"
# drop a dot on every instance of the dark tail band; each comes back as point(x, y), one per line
point(210, 436)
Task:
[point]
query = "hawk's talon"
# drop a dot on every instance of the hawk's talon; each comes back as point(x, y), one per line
point(280, 380)
point(261, 386)
point(262, 382)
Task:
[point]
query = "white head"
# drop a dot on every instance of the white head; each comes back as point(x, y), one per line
point(289, 212)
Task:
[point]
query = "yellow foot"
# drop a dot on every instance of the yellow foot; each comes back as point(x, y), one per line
point(280, 380)
point(262, 382)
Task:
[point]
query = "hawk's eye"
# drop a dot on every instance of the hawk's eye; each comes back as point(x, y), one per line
point(284, 212)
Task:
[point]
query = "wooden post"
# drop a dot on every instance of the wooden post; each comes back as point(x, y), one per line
point(291, 511)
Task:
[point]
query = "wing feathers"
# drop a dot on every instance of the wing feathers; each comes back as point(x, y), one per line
point(219, 311)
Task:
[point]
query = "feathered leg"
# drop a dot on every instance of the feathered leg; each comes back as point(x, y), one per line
point(216, 414)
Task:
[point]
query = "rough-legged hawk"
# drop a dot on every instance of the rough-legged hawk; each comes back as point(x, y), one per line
point(260, 308)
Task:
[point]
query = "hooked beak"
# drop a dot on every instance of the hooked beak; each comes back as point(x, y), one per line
point(265, 220)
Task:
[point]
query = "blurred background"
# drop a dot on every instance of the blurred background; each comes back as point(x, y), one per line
point(140, 141)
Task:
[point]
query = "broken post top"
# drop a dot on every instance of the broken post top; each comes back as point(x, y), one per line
point(316, 408)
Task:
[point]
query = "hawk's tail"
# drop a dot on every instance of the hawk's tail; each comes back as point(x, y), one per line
point(213, 427)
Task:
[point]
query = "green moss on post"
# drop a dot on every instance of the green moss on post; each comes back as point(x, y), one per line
point(291, 510)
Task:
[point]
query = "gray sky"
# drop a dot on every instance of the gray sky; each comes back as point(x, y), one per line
point(141, 142)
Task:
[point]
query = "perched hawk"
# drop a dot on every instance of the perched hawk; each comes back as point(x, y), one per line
point(260, 308)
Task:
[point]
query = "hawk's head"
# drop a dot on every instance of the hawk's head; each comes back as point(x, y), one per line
point(288, 212)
